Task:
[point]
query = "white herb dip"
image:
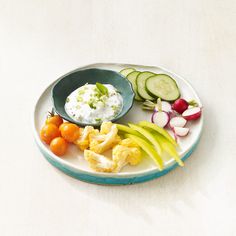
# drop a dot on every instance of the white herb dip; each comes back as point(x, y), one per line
point(89, 104)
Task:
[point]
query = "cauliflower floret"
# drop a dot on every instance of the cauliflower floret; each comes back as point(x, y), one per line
point(96, 136)
point(135, 156)
point(128, 142)
point(99, 162)
point(124, 151)
point(123, 155)
point(119, 156)
point(83, 141)
point(100, 143)
point(106, 127)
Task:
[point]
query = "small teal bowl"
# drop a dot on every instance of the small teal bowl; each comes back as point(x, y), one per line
point(70, 82)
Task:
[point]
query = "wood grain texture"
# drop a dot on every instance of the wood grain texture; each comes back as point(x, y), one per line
point(41, 40)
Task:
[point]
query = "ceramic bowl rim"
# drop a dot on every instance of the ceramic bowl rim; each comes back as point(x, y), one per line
point(122, 113)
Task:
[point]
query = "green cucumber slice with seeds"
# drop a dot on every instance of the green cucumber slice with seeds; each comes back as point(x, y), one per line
point(163, 86)
point(141, 85)
point(126, 71)
point(132, 77)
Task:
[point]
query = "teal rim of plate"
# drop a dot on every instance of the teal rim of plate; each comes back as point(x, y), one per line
point(105, 180)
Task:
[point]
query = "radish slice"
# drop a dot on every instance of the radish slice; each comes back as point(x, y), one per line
point(180, 131)
point(160, 118)
point(192, 113)
point(177, 121)
point(165, 106)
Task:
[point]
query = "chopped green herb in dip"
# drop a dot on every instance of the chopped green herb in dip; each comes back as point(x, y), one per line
point(94, 103)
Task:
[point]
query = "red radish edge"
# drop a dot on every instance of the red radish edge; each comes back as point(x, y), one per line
point(175, 136)
point(160, 118)
point(192, 113)
point(180, 105)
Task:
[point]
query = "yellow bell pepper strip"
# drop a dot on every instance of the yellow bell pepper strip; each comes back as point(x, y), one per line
point(148, 148)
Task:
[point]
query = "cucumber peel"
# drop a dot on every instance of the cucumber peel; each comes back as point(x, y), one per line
point(126, 71)
point(148, 148)
point(163, 86)
point(132, 77)
point(141, 85)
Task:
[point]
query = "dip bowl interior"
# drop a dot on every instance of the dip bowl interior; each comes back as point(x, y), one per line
point(73, 80)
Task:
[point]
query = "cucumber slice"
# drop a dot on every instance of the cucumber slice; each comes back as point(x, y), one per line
point(126, 71)
point(132, 77)
point(141, 85)
point(163, 86)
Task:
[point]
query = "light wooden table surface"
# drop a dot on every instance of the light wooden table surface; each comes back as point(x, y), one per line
point(43, 39)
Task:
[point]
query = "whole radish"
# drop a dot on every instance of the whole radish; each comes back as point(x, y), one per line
point(180, 105)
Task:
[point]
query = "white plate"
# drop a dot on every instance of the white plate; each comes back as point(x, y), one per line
point(73, 162)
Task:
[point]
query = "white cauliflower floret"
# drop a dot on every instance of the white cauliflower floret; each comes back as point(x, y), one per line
point(108, 141)
point(83, 141)
point(99, 162)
